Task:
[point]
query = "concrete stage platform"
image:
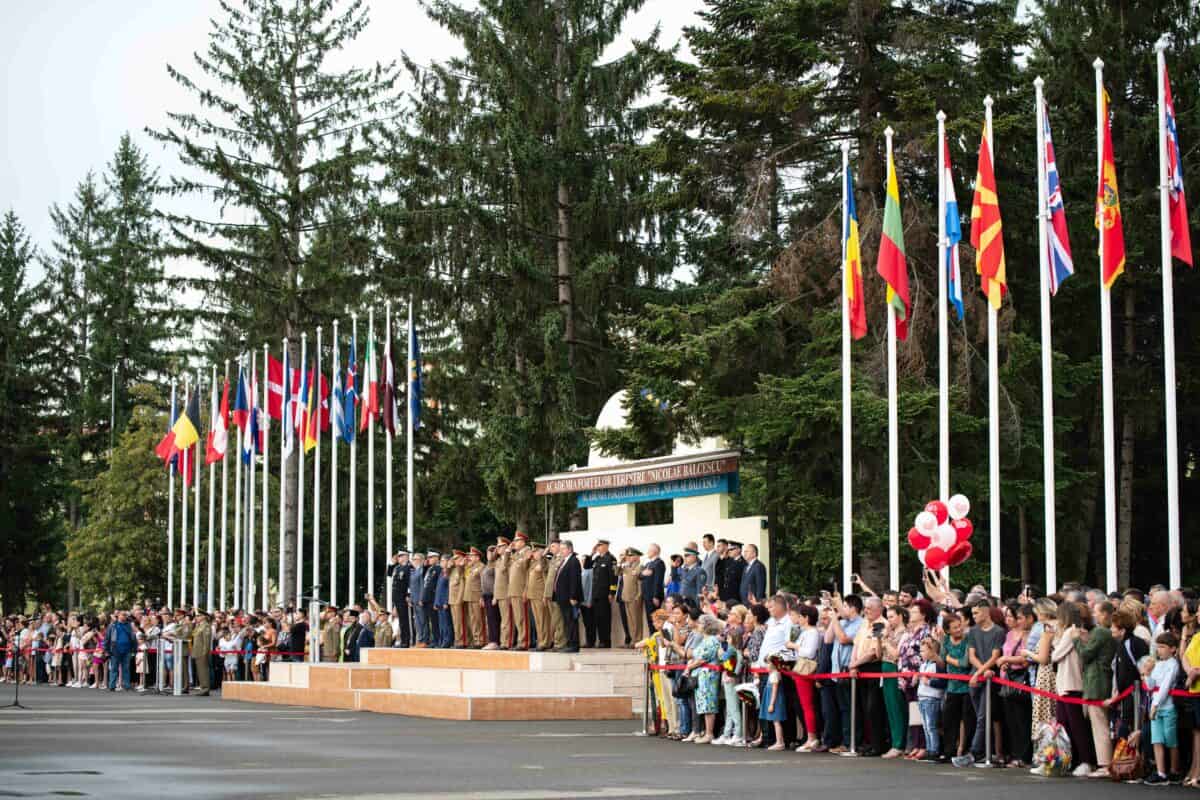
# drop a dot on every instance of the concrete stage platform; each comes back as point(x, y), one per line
point(462, 684)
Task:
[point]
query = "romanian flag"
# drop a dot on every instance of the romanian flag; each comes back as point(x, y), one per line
point(986, 229)
point(312, 415)
point(1108, 208)
point(853, 267)
point(892, 264)
point(186, 431)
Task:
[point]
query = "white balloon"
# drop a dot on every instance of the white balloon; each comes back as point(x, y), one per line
point(959, 506)
point(926, 523)
point(944, 537)
point(921, 556)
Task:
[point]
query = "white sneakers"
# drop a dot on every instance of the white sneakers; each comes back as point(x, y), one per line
point(720, 740)
point(1082, 770)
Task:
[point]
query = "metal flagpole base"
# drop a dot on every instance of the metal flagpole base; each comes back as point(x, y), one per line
point(17, 667)
point(853, 751)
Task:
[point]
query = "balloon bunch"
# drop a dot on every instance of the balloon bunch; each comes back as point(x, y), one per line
point(941, 533)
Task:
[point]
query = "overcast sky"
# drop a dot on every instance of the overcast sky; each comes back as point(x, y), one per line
point(79, 73)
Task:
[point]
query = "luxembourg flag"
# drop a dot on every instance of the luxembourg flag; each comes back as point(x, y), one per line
point(1057, 244)
point(953, 237)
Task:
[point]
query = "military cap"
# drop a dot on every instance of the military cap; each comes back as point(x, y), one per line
point(474, 551)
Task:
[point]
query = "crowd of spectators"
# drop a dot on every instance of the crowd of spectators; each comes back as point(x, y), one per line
point(1108, 673)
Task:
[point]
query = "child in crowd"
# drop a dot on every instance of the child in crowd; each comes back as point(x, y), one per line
point(930, 692)
point(229, 644)
point(773, 708)
point(1163, 718)
point(731, 669)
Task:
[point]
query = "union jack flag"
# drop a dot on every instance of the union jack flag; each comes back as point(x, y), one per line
point(1057, 244)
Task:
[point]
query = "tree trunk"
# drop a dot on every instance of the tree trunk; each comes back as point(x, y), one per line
point(292, 509)
point(566, 299)
point(1023, 543)
point(1125, 489)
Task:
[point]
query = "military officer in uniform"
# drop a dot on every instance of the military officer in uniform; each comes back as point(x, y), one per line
point(201, 641)
point(331, 635)
point(384, 637)
point(473, 598)
point(535, 596)
point(693, 579)
point(500, 595)
point(518, 571)
point(456, 572)
point(731, 576)
point(631, 597)
point(400, 571)
point(433, 571)
point(603, 565)
point(557, 637)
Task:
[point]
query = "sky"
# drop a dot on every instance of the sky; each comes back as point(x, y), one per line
point(77, 74)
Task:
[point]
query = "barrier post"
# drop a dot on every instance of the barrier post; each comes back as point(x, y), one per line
point(1137, 705)
point(160, 661)
point(853, 716)
point(314, 633)
point(177, 673)
point(987, 717)
point(645, 699)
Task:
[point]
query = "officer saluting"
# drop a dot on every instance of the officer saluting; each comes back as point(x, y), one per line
point(603, 565)
point(400, 571)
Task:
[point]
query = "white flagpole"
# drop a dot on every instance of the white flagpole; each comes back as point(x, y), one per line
point(1110, 468)
point(299, 445)
point(410, 489)
point(387, 442)
point(333, 486)
point(993, 406)
point(370, 463)
point(847, 431)
point(251, 517)
point(171, 515)
point(1047, 345)
point(265, 427)
point(943, 323)
point(283, 421)
point(212, 498)
point(893, 434)
point(353, 553)
point(224, 505)
point(237, 502)
point(183, 517)
point(198, 469)
point(1168, 290)
point(316, 526)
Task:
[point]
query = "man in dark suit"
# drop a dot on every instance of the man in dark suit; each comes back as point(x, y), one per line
point(568, 594)
point(753, 587)
point(603, 565)
point(433, 571)
point(730, 587)
point(654, 573)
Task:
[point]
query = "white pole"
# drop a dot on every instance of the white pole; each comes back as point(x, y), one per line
point(1043, 216)
point(353, 552)
point(300, 479)
point(333, 486)
point(251, 517)
point(198, 469)
point(237, 501)
point(893, 434)
point(212, 500)
point(387, 443)
point(410, 489)
point(943, 323)
point(847, 422)
point(1168, 329)
point(225, 504)
point(1110, 468)
point(370, 376)
point(283, 421)
point(316, 542)
point(993, 405)
point(265, 426)
point(183, 517)
point(171, 516)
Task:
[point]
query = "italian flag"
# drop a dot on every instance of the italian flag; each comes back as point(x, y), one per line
point(892, 265)
point(370, 406)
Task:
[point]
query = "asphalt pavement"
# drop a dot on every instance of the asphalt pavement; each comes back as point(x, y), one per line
point(87, 743)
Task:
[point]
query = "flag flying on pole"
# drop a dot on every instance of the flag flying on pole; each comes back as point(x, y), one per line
point(275, 373)
point(339, 409)
point(323, 384)
point(953, 236)
point(387, 410)
point(351, 398)
point(218, 434)
point(414, 370)
point(189, 464)
point(187, 427)
point(852, 269)
point(370, 405)
point(1058, 246)
point(1181, 239)
point(252, 444)
point(986, 228)
point(241, 405)
point(892, 264)
point(1108, 207)
point(312, 413)
point(166, 449)
point(289, 406)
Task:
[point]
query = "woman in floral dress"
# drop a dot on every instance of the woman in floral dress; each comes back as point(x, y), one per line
point(708, 681)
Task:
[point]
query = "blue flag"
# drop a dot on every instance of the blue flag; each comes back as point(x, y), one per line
point(414, 377)
point(350, 395)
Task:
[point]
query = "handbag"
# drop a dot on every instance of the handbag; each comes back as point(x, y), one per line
point(1126, 762)
point(914, 714)
point(805, 666)
point(1020, 676)
point(685, 685)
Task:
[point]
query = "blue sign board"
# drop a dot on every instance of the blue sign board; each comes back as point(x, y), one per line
point(726, 483)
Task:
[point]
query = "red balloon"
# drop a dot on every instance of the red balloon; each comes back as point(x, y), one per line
point(935, 558)
point(963, 528)
point(918, 540)
point(958, 554)
point(938, 509)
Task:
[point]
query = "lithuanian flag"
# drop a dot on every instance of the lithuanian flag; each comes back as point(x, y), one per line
point(892, 265)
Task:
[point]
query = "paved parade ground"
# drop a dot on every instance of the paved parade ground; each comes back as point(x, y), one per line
point(83, 743)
